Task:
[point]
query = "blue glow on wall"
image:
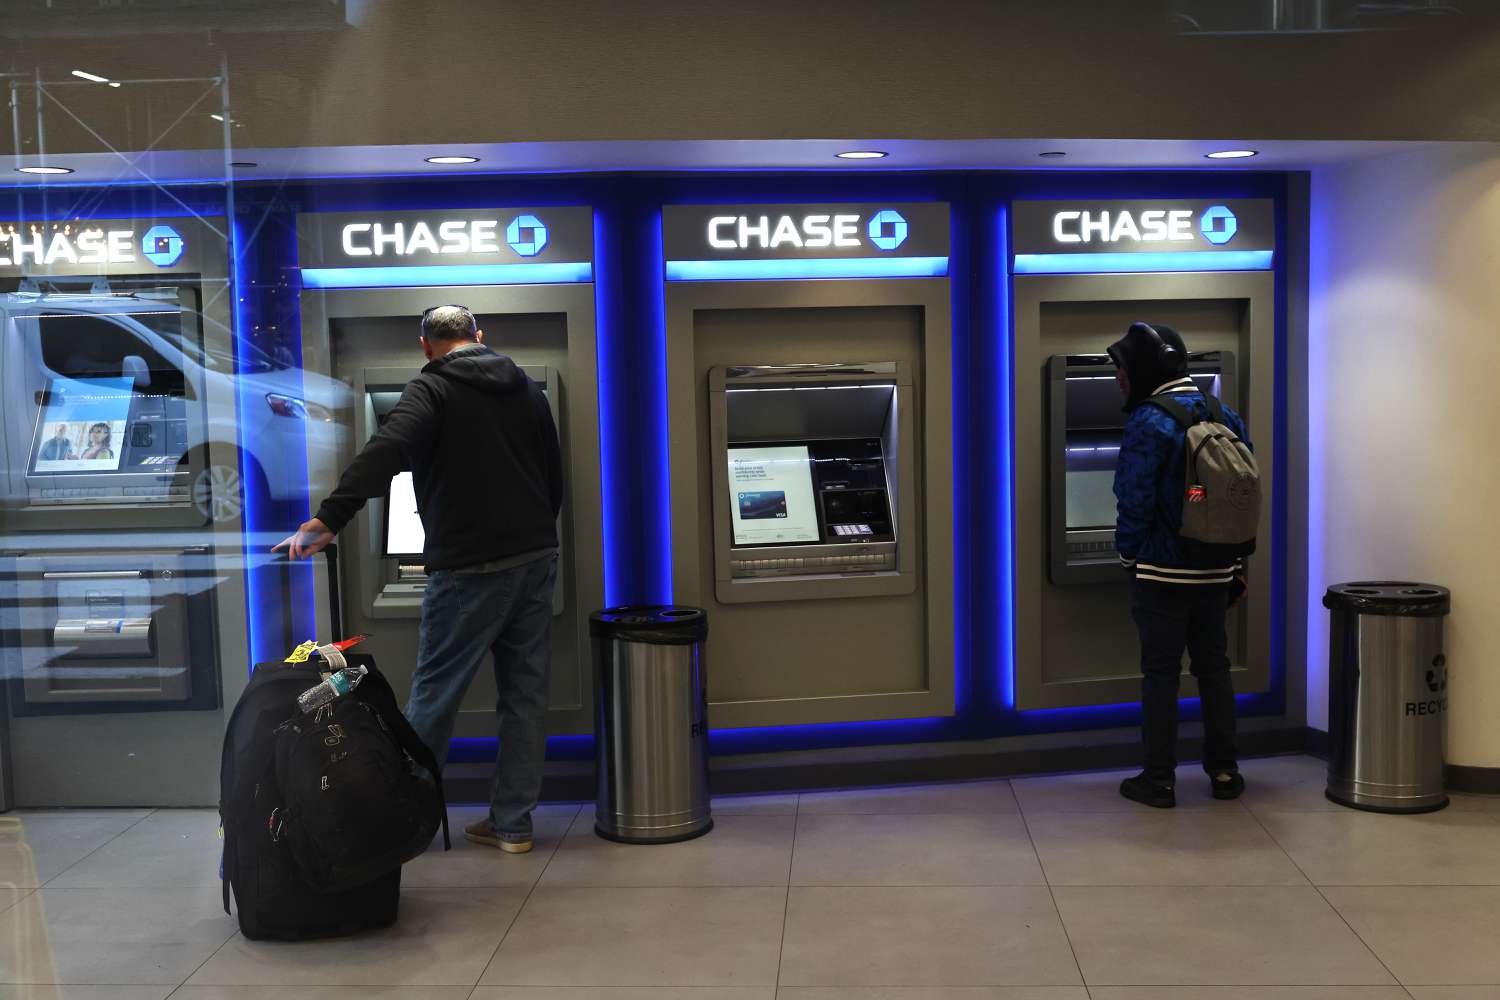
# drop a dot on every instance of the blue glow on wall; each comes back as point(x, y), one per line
point(439, 275)
point(793, 270)
point(658, 421)
point(1137, 263)
point(1002, 419)
point(607, 334)
point(258, 589)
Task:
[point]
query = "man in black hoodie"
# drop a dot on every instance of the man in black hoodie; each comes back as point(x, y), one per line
point(478, 436)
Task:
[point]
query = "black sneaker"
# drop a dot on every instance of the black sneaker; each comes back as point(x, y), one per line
point(1149, 791)
point(1227, 784)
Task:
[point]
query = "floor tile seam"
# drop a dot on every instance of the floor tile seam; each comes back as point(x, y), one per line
point(1056, 908)
point(211, 956)
point(1182, 885)
point(1260, 986)
point(111, 840)
point(554, 884)
point(1329, 903)
point(786, 906)
point(919, 885)
point(495, 952)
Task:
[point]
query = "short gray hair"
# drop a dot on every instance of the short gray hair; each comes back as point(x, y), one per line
point(445, 324)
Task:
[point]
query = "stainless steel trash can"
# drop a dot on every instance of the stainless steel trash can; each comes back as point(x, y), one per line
point(1387, 695)
point(651, 724)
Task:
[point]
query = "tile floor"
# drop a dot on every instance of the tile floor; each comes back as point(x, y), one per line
point(1047, 888)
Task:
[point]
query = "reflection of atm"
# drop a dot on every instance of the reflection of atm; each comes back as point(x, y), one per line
point(399, 582)
point(1085, 422)
point(808, 481)
point(121, 595)
point(116, 633)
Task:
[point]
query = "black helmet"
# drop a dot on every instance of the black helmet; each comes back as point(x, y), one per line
point(1152, 355)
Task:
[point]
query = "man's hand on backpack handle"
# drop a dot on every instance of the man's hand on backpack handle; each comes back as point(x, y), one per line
point(310, 538)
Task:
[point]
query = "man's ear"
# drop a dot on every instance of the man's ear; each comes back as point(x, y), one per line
point(426, 347)
point(478, 336)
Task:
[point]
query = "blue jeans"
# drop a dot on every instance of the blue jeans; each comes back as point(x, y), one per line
point(509, 614)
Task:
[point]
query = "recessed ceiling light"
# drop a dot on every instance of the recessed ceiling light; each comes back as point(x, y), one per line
point(44, 170)
point(861, 154)
point(1052, 153)
point(445, 160)
point(91, 77)
point(1232, 154)
point(114, 83)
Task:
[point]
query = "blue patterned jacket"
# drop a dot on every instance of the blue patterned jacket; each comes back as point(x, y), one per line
point(1149, 487)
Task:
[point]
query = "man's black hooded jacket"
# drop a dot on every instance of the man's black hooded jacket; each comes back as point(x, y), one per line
point(478, 436)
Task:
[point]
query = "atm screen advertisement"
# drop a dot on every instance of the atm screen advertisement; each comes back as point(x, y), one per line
point(771, 493)
point(404, 535)
point(81, 428)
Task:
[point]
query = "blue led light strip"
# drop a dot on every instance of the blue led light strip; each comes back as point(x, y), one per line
point(820, 267)
point(431, 275)
point(1132, 263)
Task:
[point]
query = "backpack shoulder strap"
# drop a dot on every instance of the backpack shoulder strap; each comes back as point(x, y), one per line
point(376, 692)
point(1184, 416)
point(1215, 409)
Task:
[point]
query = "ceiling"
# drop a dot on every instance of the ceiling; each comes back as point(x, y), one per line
point(679, 155)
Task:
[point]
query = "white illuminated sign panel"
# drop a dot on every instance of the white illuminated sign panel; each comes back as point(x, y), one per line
point(397, 239)
point(1169, 226)
point(806, 232)
point(483, 235)
point(1151, 226)
point(32, 246)
point(742, 232)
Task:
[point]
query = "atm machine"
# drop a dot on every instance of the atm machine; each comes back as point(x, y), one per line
point(809, 399)
point(807, 491)
point(401, 582)
point(527, 276)
point(122, 602)
point(1085, 422)
point(1082, 272)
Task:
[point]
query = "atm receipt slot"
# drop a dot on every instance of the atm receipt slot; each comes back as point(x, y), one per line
point(95, 637)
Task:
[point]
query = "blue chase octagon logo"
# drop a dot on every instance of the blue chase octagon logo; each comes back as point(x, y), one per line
point(526, 235)
point(887, 229)
point(163, 246)
point(1218, 225)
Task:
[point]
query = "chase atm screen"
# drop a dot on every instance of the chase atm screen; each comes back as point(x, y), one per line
point(771, 491)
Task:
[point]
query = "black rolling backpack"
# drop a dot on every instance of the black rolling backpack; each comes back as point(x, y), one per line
point(320, 811)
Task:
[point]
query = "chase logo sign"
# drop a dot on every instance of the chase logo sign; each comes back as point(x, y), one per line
point(1207, 226)
point(1218, 225)
point(105, 246)
point(163, 246)
point(526, 235)
point(887, 229)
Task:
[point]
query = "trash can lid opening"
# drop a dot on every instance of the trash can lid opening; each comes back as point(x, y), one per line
point(652, 623)
point(1388, 597)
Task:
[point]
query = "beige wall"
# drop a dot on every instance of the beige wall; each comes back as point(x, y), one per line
point(422, 71)
point(1404, 407)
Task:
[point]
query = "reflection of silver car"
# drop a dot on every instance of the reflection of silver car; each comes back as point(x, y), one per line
point(182, 366)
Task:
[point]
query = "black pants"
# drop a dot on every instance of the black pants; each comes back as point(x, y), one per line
point(1171, 618)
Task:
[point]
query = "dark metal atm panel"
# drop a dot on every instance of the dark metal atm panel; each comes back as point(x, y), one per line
point(813, 495)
